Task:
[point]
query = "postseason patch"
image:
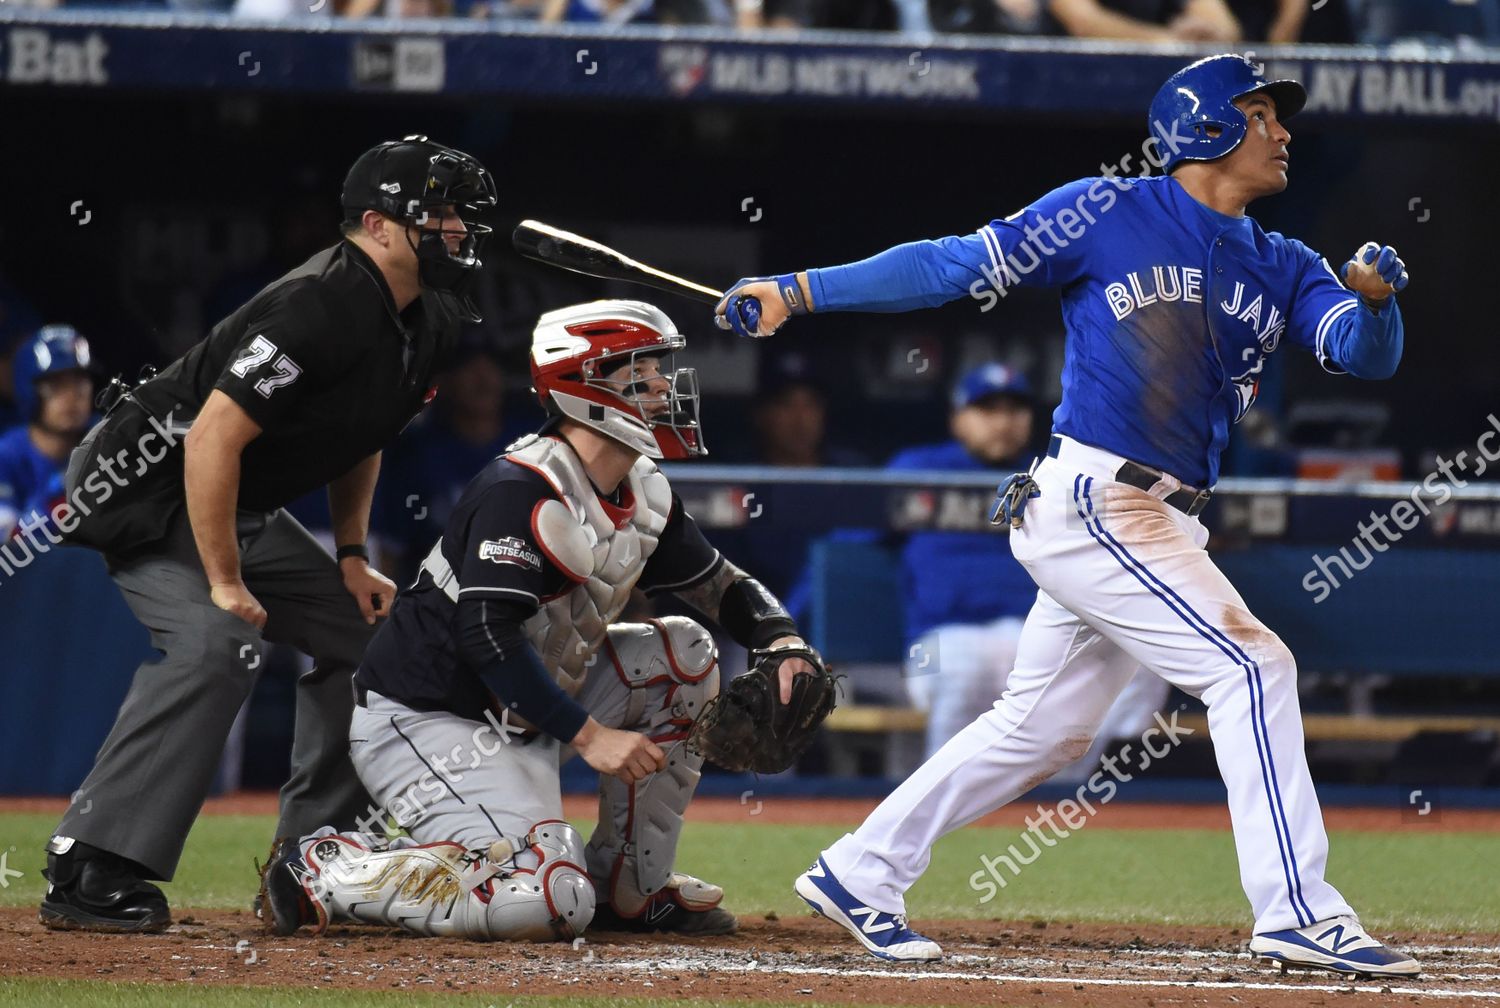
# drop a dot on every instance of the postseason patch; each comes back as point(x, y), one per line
point(510, 550)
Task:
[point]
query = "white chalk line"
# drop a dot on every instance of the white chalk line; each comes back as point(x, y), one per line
point(1241, 960)
point(1371, 987)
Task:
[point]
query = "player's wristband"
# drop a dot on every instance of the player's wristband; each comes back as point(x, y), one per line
point(352, 550)
point(791, 294)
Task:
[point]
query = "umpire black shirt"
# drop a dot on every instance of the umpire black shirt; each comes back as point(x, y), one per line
point(320, 359)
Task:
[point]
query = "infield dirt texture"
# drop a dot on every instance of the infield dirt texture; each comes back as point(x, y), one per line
point(1140, 908)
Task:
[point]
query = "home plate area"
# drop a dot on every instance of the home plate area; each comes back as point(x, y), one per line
point(798, 961)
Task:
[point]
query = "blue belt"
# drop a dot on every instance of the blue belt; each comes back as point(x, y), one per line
point(1186, 500)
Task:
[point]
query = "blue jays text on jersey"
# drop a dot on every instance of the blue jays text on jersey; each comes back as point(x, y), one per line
point(1170, 309)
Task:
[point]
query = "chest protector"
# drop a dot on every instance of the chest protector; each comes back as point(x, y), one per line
point(602, 550)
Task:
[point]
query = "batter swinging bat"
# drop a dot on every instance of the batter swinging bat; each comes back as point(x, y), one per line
point(548, 244)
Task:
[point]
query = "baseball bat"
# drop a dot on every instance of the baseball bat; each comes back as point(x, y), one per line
point(548, 244)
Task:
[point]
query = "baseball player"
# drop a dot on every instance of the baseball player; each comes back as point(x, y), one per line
point(183, 488)
point(55, 394)
point(1172, 298)
point(503, 659)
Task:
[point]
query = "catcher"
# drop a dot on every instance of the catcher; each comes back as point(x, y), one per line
point(503, 658)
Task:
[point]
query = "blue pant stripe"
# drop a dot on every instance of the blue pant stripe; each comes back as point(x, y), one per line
point(1208, 632)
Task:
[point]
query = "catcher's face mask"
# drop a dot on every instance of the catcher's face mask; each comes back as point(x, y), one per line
point(609, 365)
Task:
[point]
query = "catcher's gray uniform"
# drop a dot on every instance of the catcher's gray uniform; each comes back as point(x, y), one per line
point(456, 770)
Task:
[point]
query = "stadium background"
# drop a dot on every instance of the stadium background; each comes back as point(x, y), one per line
point(201, 180)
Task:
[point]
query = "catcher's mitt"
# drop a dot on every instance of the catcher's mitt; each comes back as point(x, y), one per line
point(747, 727)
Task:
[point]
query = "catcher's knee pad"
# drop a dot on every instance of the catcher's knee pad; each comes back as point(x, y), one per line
point(534, 889)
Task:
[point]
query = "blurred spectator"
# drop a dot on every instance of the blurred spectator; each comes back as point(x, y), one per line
point(1145, 20)
point(399, 8)
point(988, 17)
point(791, 428)
point(1282, 21)
point(967, 596)
point(791, 415)
point(424, 474)
point(606, 12)
point(55, 394)
point(1384, 21)
point(281, 10)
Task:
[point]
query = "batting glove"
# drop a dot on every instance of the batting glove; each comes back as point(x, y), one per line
point(1011, 498)
point(741, 314)
point(1386, 262)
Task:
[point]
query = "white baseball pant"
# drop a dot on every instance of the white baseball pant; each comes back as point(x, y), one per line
point(1124, 581)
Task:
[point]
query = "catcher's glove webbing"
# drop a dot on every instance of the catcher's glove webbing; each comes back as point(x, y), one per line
point(747, 727)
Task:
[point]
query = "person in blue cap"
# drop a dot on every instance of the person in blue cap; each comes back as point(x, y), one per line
point(55, 397)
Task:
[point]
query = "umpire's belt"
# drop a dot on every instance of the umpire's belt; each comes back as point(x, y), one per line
point(1186, 499)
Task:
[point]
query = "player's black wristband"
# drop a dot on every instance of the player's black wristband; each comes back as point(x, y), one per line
point(352, 550)
point(752, 615)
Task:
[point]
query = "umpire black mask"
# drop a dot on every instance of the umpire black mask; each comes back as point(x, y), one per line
point(413, 179)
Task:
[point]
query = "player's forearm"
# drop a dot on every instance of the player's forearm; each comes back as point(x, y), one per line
point(492, 641)
point(349, 501)
point(920, 274)
point(211, 479)
point(744, 607)
point(1365, 343)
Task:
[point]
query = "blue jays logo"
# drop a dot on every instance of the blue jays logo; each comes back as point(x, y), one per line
point(1267, 325)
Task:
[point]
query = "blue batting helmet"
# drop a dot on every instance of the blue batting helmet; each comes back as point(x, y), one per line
point(1200, 98)
point(54, 348)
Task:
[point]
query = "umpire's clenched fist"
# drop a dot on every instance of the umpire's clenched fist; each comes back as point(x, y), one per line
point(1375, 272)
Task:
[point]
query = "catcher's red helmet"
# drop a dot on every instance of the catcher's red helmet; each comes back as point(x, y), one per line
point(586, 363)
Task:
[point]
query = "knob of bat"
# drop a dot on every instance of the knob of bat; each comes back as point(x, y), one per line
point(749, 310)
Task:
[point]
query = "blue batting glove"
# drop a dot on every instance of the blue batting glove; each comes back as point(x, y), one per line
point(1011, 498)
point(738, 313)
point(1386, 262)
point(742, 314)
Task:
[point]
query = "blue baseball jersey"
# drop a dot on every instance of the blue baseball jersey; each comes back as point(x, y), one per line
point(1170, 307)
point(958, 577)
point(29, 480)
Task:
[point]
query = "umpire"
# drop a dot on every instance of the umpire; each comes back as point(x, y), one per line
point(300, 388)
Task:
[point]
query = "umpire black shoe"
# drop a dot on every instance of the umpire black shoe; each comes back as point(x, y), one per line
point(283, 905)
point(90, 889)
point(686, 906)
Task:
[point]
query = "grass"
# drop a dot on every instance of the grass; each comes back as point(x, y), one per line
point(92, 994)
point(1397, 880)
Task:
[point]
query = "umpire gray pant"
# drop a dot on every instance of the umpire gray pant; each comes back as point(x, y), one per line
point(154, 771)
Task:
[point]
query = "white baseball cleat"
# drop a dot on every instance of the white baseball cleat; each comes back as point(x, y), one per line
point(884, 934)
point(1340, 944)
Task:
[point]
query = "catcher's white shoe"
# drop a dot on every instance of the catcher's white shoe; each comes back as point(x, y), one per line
point(1339, 944)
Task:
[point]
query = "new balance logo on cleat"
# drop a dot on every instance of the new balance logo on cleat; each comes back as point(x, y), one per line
point(1339, 940)
point(872, 918)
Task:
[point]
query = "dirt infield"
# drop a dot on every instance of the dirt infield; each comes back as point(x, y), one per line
point(851, 811)
point(784, 961)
